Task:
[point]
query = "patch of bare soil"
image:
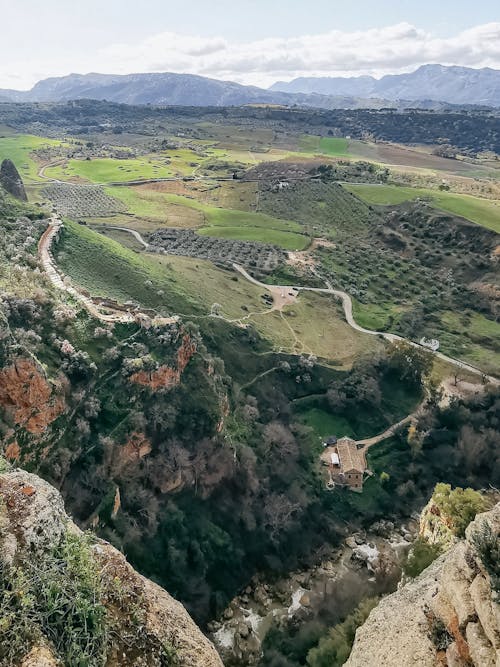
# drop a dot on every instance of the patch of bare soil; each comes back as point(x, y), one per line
point(400, 155)
point(305, 258)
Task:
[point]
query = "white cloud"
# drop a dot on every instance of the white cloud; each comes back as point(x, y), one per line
point(392, 49)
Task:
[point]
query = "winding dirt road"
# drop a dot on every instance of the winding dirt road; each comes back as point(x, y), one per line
point(347, 306)
point(112, 315)
point(282, 295)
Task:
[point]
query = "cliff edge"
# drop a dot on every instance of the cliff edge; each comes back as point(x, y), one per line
point(69, 598)
point(449, 615)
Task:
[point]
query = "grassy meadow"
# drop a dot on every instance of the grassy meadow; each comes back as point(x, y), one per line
point(19, 149)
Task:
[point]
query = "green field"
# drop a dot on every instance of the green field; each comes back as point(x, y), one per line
point(316, 325)
point(376, 316)
point(485, 212)
point(107, 268)
point(19, 147)
point(219, 222)
point(334, 146)
point(286, 240)
point(331, 146)
point(236, 296)
point(325, 423)
point(107, 170)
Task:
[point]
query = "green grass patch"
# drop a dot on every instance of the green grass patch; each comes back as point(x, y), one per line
point(19, 148)
point(334, 146)
point(325, 423)
point(376, 317)
point(106, 170)
point(330, 146)
point(107, 268)
point(286, 240)
point(485, 212)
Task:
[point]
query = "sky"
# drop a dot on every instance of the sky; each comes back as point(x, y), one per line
point(249, 41)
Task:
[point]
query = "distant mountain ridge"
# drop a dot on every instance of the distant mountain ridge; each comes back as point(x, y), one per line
point(453, 84)
point(169, 89)
point(431, 86)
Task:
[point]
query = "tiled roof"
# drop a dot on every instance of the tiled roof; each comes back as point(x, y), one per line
point(351, 458)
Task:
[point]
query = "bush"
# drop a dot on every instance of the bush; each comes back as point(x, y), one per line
point(458, 505)
point(334, 649)
point(488, 547)
point(57, 598)
point(422, 554)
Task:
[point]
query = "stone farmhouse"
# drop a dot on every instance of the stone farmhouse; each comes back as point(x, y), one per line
point(346, 463)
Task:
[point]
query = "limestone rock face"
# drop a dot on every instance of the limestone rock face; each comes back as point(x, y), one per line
point(12, 181)
point(450, 609)
point(33, 520)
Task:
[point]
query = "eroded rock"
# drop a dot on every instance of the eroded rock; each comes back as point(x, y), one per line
point(450, 607)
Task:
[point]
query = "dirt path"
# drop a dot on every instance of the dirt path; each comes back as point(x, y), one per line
point(347, 306)
point(134, 233)
point(112, 315)
point(54, 163)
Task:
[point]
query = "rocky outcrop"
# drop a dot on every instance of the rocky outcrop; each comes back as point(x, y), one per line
point(11, 181)
point(28, 396)
point(143, 618)
point(435, 528)
point(165, 377)
point(448, 615)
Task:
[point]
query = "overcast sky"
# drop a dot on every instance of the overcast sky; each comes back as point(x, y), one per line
point(249, 41)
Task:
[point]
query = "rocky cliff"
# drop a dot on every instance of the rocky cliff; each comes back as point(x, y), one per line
point(11, 181)
point(68, 598)
point(449, 615)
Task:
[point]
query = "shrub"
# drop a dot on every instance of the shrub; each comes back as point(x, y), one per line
point(334, 649)
point(459, 505)
point(488, 547)
point(422, 554)
point(57, 598)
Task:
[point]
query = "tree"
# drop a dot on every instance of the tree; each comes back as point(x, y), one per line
point(421, 555)
point(334, 649)
point(459, 505)
point(410, 362)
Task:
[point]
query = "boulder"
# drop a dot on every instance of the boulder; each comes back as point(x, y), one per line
point(11, 181)
point(33, 523)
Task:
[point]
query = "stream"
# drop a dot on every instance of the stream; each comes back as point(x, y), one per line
point(365, 565)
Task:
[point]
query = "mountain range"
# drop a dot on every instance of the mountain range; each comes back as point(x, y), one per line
point(455, 85)
point(428, 87)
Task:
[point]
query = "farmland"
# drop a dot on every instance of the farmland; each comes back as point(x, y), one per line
point(391, 287)
point(106, 170)
point(484, 212)
point(215, 221)
point(19, 148)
